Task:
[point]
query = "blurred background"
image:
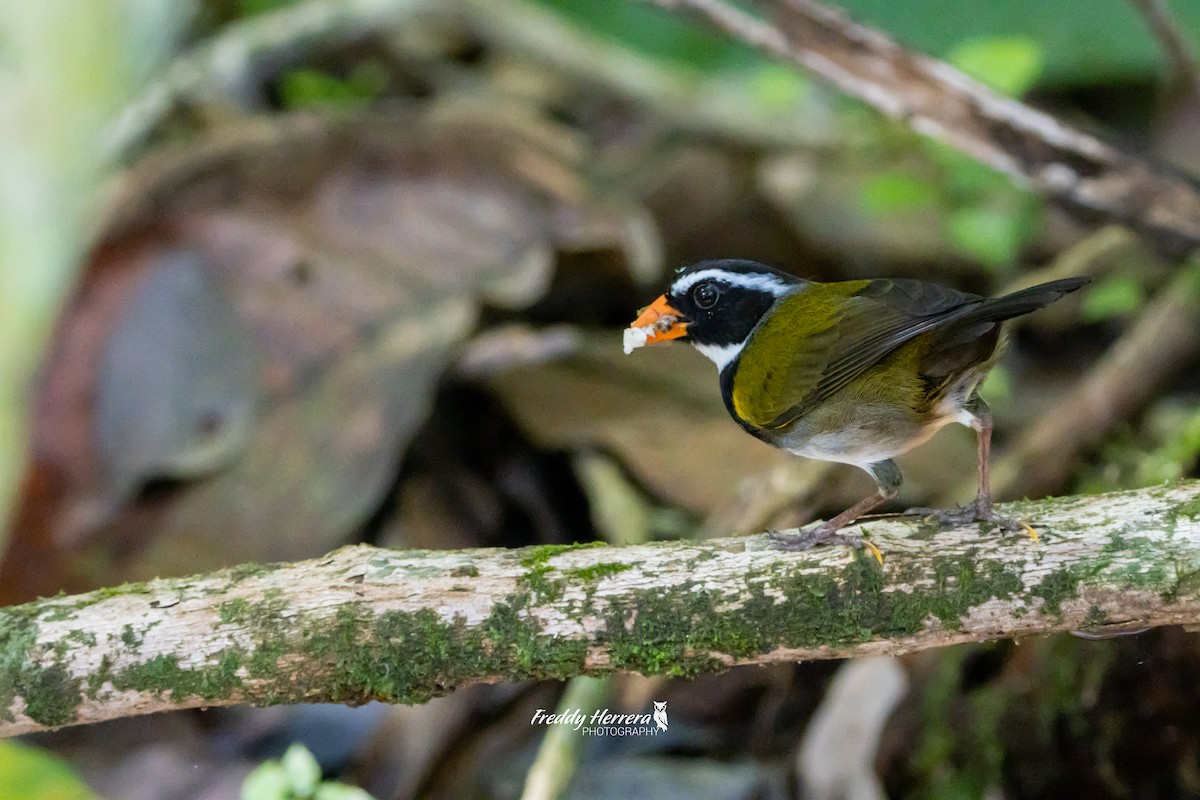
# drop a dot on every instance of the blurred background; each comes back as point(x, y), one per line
point(282, 276)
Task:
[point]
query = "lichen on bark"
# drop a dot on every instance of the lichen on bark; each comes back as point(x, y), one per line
point(364, 624)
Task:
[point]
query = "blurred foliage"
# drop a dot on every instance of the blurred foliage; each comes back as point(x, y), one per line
point(312, 88)
point(1118, 295)
point(894, 191)
point(248, 8)
point(658, 33)
point(984, 217)
point(626, 144)
point(296, 776)
point(1009, 64)
point(70, 68)
point(955, 755)
point(997, 388)
point(31, 773)
point(1108, 44)
point(1163, 447)
point(984, 709)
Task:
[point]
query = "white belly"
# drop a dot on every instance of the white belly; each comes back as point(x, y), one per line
point(865, 441)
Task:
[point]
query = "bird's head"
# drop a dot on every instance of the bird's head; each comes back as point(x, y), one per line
point(713, 305)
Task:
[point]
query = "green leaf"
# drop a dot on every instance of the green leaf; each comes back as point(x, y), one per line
point(990, 237)
point(31, 773)
point(1009, 64)
point(311, 88)
point(1114, 296)
point(303, 772)
point(965, 178)
point(268, 781)
point(296, 776)
point(778, 87)
point(894, 191)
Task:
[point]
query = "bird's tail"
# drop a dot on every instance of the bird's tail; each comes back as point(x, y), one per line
point(1024, 301)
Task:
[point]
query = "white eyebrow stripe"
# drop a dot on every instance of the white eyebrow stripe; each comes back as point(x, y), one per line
point(771, 283)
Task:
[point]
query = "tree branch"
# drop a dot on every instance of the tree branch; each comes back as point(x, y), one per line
point(1182, 66)
point(1067, 165)
point(365, 623)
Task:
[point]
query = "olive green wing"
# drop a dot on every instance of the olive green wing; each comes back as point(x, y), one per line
point(885, 315)
point(823, 336)
point(786, 355)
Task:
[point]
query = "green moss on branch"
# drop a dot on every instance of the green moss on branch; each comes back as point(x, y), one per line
point(365, 624)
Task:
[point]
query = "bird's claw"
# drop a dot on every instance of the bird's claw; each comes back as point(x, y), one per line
point(817, 534)
point(973, 512)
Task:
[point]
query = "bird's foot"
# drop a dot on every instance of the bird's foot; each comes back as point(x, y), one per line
point(979, 511)
point(821, 534)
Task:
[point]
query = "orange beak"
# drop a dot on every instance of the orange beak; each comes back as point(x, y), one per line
point(661, 321)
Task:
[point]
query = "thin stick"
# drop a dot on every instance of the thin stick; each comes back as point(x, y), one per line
point(1182, 64)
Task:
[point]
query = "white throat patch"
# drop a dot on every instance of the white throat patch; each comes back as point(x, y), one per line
point(720, 354)
point(761, 281)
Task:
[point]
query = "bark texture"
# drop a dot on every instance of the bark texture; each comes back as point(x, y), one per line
point(365, 623)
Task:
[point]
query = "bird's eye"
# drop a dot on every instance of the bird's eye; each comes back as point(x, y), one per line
point(706, 294)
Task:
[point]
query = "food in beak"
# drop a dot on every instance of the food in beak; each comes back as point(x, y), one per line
point(658, 322)
point(635, 338)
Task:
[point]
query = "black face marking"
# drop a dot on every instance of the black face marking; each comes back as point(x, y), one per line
point(722, 308)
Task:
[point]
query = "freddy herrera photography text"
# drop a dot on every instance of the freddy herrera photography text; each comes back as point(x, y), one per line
point(603, 722)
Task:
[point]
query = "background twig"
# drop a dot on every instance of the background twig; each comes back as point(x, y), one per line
point(1067, 165)
point(1182, 65)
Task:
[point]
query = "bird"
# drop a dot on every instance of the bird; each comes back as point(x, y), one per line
point(857, 372)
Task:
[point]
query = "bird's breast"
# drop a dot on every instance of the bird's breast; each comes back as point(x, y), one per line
point(858, 433)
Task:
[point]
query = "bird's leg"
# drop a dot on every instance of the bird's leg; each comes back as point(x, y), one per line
point(984, 511)
point(983, 431)
point(888, 478)
point(981, 510)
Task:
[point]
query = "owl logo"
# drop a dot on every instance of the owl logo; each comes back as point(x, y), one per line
point(660, 714)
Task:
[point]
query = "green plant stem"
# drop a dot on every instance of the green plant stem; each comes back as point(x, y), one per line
point(559, 752)
point(69, 65)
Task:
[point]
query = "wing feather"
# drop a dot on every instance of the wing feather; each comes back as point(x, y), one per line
point(835, 333)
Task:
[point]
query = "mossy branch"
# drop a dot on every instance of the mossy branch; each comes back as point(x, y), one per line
point(365, 623)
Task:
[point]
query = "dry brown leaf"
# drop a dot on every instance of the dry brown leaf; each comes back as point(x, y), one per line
point(356, 254)
point(659, 411)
